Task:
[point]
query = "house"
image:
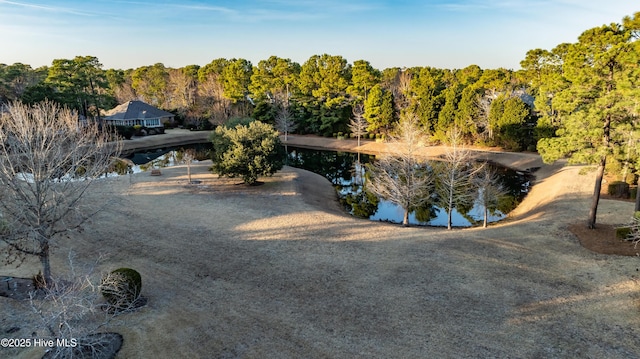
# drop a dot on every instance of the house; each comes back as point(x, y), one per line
point(138, 113)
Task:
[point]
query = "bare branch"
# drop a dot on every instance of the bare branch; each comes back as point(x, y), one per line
point(358, 124)
point(487, 181)
point(72, 308)
point(401, 176)
point(454, 178)
point(48, 161)
point(284, 120)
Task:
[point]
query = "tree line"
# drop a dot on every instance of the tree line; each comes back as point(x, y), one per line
point(578, 100)
point(493, 107)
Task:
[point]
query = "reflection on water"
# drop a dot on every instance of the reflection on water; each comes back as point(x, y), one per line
point(158, 158)
point(347, 172)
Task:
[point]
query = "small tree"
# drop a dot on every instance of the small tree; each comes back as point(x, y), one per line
point(284, 120)
point(188, 156)
point(490, 190)
point(48, 161)
point(246, 151)
point(358, 125)
point(401, 176)
point(71, 308)
point(454, 175)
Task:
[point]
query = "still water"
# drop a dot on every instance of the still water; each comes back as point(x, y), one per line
point(348, 171)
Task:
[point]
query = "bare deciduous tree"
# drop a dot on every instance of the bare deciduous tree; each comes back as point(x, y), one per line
point(213, 102)
point(48, 161)
point(358, 124)
point(72, 310)
point(454, 177)
point(284, 120)
point(188, 156)
point(401, 176)
point(487, 181)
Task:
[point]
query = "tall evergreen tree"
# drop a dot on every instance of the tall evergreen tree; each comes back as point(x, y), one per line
point(151, 83)
point(363, 78)
point(81, 84)
point(378, 110)
point(596, 68)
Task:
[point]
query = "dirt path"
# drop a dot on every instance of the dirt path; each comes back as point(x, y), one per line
point(276, 271)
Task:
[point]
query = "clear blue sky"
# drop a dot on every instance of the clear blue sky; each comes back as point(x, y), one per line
point(439, 33)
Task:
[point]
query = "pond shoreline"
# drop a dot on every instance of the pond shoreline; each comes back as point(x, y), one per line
point(171, 138)
point(176, 137)
point(521, 161)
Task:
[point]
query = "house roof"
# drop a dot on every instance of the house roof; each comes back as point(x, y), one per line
point(135, 110)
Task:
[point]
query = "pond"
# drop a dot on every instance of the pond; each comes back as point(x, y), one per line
point(161, 157)
point(347, 172)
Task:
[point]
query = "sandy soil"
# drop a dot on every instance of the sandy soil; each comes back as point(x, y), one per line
point(279, 271)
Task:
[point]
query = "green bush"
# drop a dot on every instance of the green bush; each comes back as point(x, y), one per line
point(623, 233)
point(372, 136)
point(242, 121)
point(247, 151)
point(125, 131)
point(618, 189)
point(633, 192)
point(121, 288)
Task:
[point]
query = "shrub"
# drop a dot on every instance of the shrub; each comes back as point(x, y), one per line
point(633, 192)
point(246, 151)
point(618, 189)
point(139, 130)
point(121, 288)
point(242, 121)
point(125, 131)
point(623, 233)
point(630, 232)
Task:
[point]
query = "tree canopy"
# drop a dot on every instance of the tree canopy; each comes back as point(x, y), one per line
point(517, 110)
point(246, 151)
point(597, 100)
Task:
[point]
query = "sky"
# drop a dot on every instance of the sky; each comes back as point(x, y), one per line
point(439, 33)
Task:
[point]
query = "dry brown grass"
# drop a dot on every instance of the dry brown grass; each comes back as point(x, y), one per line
point(278, 271)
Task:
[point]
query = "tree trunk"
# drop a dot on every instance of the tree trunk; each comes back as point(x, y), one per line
point(637, 207)
point(591, 223)
point(486, 215)
point(449, 217)
point(44, 260)
point(405, 220)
